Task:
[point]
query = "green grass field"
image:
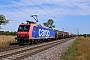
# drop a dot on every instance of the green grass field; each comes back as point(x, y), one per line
point(6, 40)
point(80, 50)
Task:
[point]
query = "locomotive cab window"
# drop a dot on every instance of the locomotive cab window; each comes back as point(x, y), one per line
point(24, 28)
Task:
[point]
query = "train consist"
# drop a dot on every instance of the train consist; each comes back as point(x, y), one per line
point(32, 33)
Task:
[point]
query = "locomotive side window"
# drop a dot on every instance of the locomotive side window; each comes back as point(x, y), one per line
point(24, 28)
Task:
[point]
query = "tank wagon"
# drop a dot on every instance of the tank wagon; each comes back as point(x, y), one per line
point(30, 33)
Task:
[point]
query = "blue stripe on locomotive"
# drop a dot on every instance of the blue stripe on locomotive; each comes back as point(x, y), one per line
point(41, 33)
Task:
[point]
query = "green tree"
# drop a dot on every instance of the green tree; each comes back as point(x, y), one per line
point(49, 23)
point(3, 20)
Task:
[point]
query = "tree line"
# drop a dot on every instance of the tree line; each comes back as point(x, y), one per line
point(7, 33)
point(85, 35)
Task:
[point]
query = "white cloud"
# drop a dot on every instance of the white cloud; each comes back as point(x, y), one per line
point(58, 10)
point(60, 7)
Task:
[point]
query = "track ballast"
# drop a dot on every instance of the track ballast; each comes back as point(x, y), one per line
point(21, 52)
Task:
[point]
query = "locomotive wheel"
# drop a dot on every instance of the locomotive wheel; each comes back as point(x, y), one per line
point(21, 43)
point(40, 40)
point(36, 41)
point(30, 42)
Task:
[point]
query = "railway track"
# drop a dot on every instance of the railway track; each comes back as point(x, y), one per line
point(2, 49)
point(22, 52)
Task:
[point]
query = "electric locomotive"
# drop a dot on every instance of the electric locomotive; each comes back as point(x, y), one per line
point(32, 33)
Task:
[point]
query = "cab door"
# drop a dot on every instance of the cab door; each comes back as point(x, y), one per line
point(34, 32)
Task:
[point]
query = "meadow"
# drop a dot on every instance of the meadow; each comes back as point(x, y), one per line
point(79, 50)
point(6, 40)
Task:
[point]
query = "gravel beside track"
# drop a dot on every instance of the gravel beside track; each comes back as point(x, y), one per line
point(45, 51)
point(53, 53)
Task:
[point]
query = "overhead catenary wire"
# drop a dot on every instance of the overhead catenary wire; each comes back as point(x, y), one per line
point(47, 12)
point(48, 5)
point(27, 12)
point(15, 7)
point(29, 6)
point(44, 10)
point(41, 8)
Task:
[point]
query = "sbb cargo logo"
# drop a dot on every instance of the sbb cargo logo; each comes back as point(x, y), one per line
point(43, 32)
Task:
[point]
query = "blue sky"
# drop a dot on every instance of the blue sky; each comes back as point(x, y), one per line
point(67, 14)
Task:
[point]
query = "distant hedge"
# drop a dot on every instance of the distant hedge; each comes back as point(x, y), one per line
point(7, 33)
point(85, 35)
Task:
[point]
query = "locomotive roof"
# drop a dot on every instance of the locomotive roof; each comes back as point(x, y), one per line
point(29, 22)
